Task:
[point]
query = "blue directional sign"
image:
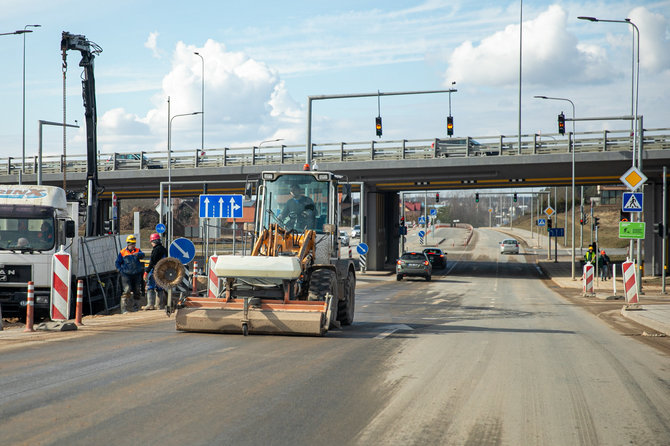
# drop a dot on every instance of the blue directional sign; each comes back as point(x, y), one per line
point(556, 232)
point(362, 249)
point(182, 249)
point(160, 228)
point(421, 233)
point(632, 202)
point(422, 220)
point(542, 222)
point(433, 212)
point(221, 206)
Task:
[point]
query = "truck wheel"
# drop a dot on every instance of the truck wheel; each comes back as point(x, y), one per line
point(321, 283)
point(345, 308)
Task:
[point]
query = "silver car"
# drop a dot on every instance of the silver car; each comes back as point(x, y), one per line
point(356, 231)
point(509, 246)
point(413, 264)
point(344, 238)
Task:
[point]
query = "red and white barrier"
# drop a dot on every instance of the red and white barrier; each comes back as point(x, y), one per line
point(60, 286)
point(629, 282)
point(350, 252)
point(30, 307)
point(212, 279)
point(588, 278)
point(80, 303)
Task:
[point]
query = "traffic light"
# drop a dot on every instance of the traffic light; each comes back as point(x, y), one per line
point(561, 124)
point(623, 216)
point(596, 222)
point(378, 126)
point(549, 223)
point(437, 197)
point(514, 198)
point(581, 221)
point(450, 125)
point(477, 198)
point(658, 229)
point(402, 228)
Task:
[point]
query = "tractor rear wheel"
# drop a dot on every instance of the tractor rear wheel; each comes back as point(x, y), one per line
point(345, 308)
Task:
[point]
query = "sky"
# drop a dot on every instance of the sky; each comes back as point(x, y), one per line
point(263, 59)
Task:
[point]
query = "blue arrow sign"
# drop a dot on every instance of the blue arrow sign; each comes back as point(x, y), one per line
point(556, 232)
point(362, 249)
point(182, 249)
point(632, 202)
point(421, 233)
point(221, 206)
point(160, 228)
point(433, 212)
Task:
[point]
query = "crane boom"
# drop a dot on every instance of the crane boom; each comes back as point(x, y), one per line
point(88, 51)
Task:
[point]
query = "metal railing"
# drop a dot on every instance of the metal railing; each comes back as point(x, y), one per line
point(358, 151)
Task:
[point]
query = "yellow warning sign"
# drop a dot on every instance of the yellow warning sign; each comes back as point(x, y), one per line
point(549, 211)
point(633, 178)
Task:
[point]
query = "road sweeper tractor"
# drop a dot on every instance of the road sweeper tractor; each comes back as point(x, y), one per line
point(294, 281)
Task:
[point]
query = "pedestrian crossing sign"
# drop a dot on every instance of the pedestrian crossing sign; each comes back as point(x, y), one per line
point(631, 202)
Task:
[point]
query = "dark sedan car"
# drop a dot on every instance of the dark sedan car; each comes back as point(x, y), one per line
point(436, 257)
point(413, 264)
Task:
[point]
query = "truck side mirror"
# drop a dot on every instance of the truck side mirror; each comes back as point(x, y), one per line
point(69, 229)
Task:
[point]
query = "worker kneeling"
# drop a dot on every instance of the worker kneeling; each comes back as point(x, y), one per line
point(131, 269)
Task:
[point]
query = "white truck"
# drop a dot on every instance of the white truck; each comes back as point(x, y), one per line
point(35, 222)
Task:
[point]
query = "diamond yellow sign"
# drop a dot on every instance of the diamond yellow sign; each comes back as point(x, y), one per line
point(633, 178)
point(549, 211)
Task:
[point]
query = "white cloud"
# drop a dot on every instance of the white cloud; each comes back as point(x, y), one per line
point(152, 44)
point(654, 39)
point(550, 53)
point(245, 102)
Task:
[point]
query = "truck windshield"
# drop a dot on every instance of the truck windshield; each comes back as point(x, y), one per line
point(297, 202)
point(27, 233)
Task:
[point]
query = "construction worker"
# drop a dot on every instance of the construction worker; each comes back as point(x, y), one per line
point(603, 265)
point(590, 256)
point(154, 292)
point(131, 269)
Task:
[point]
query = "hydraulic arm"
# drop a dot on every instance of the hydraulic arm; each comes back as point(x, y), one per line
point(88, 51)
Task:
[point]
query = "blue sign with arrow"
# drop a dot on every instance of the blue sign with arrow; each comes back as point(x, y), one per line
point(221, 206)
point(362, 249)
point(160, 228)
point(183, 250)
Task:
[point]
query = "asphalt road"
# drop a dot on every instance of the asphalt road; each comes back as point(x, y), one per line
point(485, 354)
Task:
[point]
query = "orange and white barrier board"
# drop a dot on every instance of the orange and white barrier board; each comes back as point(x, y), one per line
point(629, 282)
point(212, 279)
point(30, 307)
point(60, 286)
point(588, 278)
point(80, 303)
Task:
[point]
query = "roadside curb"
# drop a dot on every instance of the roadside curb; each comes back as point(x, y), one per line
point(650, 316)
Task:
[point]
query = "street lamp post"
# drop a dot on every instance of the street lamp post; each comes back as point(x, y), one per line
point(20, 31)
point(634, 104)
point(23, 157)
point(170, 171)
point(202, 102)
point(572, 149)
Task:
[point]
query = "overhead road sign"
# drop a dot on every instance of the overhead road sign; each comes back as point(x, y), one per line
point(183, 250)
point(221, 206)
point(633, 178)
point(630, 229)
point(632, 202)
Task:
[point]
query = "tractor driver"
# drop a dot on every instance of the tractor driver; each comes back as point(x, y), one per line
point(299, 212)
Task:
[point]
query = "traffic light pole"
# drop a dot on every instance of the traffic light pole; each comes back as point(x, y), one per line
point(378, 94)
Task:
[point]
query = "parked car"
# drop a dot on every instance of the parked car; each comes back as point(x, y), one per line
point(437, 258)
point(509, 246)
point(344, 238)
point(132, 161)
point(356, 231)
point(413, 264)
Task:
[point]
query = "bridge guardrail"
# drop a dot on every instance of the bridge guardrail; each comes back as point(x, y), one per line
point(501, 145)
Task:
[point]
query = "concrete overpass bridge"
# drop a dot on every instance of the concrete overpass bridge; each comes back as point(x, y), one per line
point(384, 168)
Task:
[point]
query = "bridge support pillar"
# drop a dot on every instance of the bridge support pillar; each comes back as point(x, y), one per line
point(380, 223)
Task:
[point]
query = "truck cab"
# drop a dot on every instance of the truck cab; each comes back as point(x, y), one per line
point(34, 223)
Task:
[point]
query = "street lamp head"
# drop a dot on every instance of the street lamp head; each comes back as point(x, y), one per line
point(540, 97)
point(197, 53)
point(23, 31)
point(590, 19)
